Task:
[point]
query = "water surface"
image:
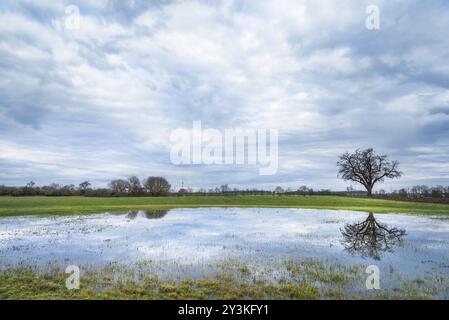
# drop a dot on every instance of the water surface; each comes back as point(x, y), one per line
point(194, 239)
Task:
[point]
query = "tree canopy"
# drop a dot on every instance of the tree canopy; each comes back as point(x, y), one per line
point(367, 168)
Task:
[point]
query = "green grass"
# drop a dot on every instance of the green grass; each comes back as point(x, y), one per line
point(309, 279)
point(12, 206)
point(27, 284)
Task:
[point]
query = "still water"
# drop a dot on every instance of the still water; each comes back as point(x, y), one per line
point(193, 239)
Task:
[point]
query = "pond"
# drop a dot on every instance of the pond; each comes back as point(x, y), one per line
point(192, 242)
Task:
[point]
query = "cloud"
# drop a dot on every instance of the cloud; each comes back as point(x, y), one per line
point(100, 102)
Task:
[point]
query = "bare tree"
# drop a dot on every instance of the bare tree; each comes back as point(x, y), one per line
point(29, 189)
point(157, 186)
point(303, 190)
point(31, 184)
point(119, 186)
point(84, 186)
point(134, 185)
point(370, 238)
point(367, 168)
point(279, 190)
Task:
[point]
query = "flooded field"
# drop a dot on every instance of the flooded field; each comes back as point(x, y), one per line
point(195, 243)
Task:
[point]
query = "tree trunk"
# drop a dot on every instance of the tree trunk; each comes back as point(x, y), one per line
point(370, 191)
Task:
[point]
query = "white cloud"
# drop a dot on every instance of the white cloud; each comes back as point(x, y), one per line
point(116, 87)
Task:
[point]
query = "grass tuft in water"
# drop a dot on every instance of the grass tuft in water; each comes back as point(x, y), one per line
point(307, 279)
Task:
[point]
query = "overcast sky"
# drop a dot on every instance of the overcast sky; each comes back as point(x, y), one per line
point(100, 102)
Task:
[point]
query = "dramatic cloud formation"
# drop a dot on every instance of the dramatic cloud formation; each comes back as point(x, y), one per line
point(100, 101)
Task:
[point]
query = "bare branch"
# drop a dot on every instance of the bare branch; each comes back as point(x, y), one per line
point(367, 168)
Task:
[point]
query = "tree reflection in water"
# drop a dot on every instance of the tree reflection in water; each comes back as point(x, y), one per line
point(371, 238)
point(148, 214)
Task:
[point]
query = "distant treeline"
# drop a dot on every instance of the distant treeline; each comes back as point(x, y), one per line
point(437, 194)
point(152, 186)
point(159, 186)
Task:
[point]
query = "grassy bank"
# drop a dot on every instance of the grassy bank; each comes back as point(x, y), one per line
point(10, 206)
